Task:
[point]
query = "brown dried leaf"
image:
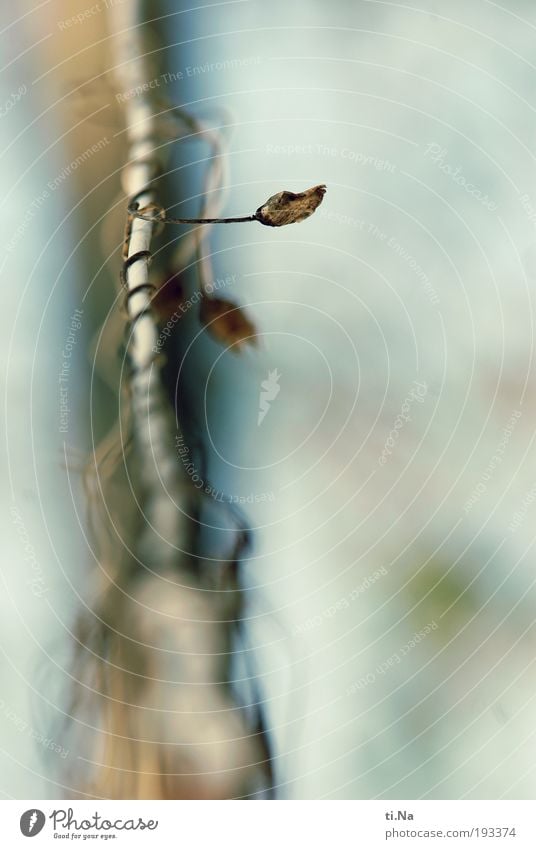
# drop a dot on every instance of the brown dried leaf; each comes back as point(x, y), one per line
point(168, 298)
point(288, 208)
point(227, 322)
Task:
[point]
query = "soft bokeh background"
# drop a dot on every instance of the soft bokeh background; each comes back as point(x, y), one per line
point(417, 271)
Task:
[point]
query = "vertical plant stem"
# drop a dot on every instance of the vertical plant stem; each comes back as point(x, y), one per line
point(157, 648)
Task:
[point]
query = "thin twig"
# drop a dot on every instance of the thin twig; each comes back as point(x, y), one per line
point(164, 219)
point(279, 210)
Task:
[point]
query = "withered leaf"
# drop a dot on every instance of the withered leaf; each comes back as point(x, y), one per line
point(289, 208)
point(227, 322)
point(168, 297)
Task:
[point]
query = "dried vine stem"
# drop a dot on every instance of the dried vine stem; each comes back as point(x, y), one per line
point(150, 411)
point(155, 651)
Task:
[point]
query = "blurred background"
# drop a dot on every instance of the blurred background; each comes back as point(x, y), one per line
point(389, 485)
